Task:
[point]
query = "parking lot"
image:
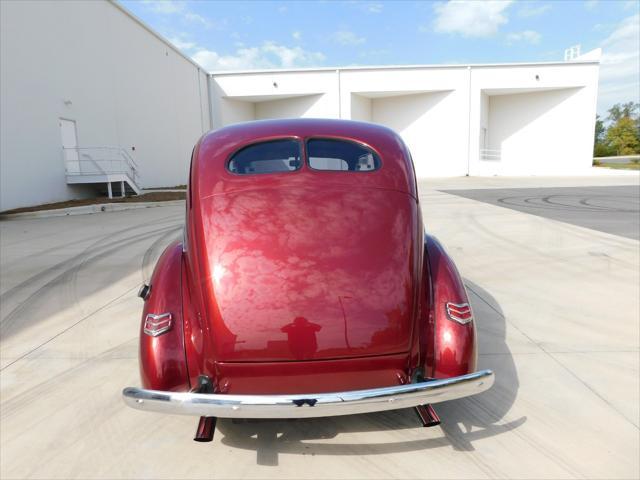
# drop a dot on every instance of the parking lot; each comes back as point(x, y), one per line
point(610, 209)
point(557, 306)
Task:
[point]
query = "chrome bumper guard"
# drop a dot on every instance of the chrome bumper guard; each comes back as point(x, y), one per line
point(309, 405)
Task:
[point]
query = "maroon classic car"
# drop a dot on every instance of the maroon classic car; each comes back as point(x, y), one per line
point(305, 285)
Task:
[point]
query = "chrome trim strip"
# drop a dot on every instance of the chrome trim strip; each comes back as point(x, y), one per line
point(455, 310)
point(155, 325)
point(309, 405)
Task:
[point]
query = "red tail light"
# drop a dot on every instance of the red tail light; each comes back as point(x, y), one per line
point(459, 312)
point(155, 325)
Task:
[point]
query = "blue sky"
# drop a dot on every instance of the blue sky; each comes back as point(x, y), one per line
point(262, 34)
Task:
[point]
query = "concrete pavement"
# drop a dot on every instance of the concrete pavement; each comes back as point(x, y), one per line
point(610, 209)
point(558, 311)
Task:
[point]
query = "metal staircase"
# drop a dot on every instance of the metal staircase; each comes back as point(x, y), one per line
point(491, 155)
point(105, 167)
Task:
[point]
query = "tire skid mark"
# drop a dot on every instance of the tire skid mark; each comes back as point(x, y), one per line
point(63, 264)
point(87, 258)
point(586, 201)
point(70, 263)
point(62, 332)
point(66, 244)
point(148, 260)
point(97, 252)
point(587, 206)
point(63, 278)
point(575, 203)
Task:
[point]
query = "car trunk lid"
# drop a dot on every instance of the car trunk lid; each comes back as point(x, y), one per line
point(309, 273)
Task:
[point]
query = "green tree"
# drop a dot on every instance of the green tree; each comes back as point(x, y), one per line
point(601, 146)
point(600, 130)
point(622, 110)
point(624, 137)
point(603, 149)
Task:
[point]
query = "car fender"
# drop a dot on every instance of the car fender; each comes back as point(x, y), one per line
point(451, 344)
point(163, 363)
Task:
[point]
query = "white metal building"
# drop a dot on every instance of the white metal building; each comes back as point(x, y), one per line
point(90, 77)
point(111, 102)
point(512, 119)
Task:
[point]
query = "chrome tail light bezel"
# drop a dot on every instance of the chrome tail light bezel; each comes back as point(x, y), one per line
point(459, 312)
point(157, 324)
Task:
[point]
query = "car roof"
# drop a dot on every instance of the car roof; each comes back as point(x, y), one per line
point(303, 127)
point(216, 147)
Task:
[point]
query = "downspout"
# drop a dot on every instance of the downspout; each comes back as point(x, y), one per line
point(210, 98)
point(339, 94)
point(202, 130)
point(469, 125)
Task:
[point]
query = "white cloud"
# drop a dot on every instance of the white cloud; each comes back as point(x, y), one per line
point(346, 37)
point(182, 44)
point(196, 18)
point(366, 7)
point(529, 10)
point(528, 36)
point(164, 7)
point(171, 7)
point(620, 64)
point(375, 53)
point(374, 7)
point(599, 27)
point(470, 18)
point(296, 35)
point(630, 5)
point(591, 4)
point(267, 55)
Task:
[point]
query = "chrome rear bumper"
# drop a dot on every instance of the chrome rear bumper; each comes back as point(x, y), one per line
point(309, 405)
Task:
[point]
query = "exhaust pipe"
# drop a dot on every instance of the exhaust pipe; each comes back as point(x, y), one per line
point(427, 415)
point(206, 425)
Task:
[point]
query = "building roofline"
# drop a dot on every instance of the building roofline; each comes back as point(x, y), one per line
point(164, 40)
point(405, 67)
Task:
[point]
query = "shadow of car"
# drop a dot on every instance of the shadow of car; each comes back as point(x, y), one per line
point(464, 421)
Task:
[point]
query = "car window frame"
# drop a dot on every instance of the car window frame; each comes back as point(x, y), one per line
point(346, 140)
point(301, 154)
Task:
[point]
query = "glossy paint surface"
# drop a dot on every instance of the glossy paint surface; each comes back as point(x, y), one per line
point(312, 376)
point(162, 359)
point(209, 175)
point(453, 344)
point(308, 264)
point(316, 272)
point(313, 278)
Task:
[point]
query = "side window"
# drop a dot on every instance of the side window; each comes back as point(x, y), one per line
point(342, 155)
point(266, 157)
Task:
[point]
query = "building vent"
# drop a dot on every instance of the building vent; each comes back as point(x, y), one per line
point(572, 53)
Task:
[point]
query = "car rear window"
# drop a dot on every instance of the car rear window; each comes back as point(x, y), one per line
point(341, 155)
point(266, 157)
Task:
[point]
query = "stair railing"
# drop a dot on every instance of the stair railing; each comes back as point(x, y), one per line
point(100, 161)
point(491, 155)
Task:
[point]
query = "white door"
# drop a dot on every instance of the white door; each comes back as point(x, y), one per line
point(69, 138)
